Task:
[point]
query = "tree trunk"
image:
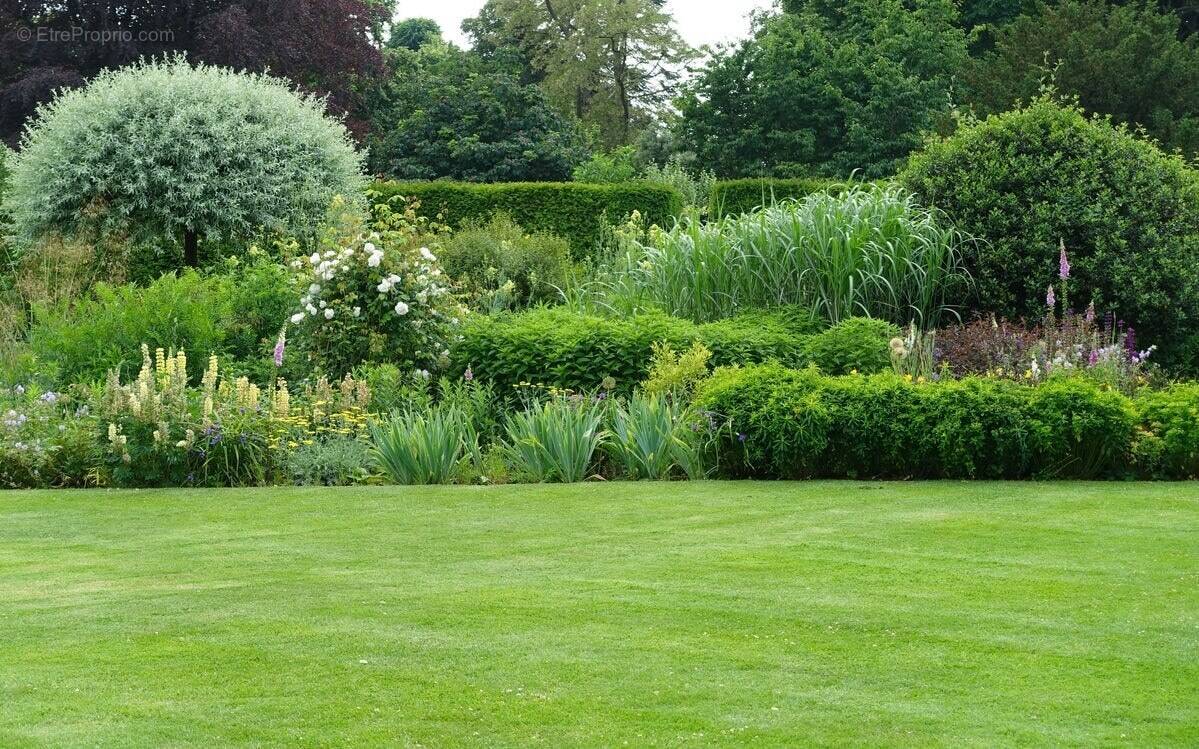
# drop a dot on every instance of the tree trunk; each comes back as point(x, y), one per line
point(191, 249)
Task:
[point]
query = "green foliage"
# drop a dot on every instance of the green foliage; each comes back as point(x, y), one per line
point(237, 154)
point(732, 197)
point(413, 33)
point(613, 64)
point(870, 250)
point(498, 265)
point(375, 294)
point(235, 313)
point(856, 344)
point(828, 89)
point(443, 114)
point(786, 423)
point(47, 439)
point(1168, 441)
point(579, 213)
point(1127, 61)
point(695, 185)
point(332, 462)
point(554, 440)
point(654, 437)
point(423, 447)
point(676, 374)
point(1025, 181)
point(558, 348)
point(615, 166)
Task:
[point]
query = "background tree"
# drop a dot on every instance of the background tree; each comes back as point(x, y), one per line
point(413, 33)
point(322, 45)
point(608, 62)
point(827, 89)
point(166, 153)
point(446, 113)
point(1126, 61)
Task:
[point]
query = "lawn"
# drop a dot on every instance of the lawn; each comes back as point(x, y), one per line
point(646, 614)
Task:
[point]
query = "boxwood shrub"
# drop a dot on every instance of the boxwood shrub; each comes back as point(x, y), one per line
point(735, 196)
point(577, 212)
point(557, 347)
point(1025, 181)
point(788, 423)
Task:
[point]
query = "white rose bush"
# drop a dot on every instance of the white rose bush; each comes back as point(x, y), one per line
point(375, 295)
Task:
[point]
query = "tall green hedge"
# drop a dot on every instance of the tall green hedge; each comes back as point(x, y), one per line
point(576, 212)
point(557, 347)
point(735, 196)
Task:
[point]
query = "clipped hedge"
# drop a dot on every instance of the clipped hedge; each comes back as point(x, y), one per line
point(736, 196)
point(576, 212)
point(788, 423)
point(556, 347)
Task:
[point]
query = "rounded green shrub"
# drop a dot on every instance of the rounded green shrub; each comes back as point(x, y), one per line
point(171, 155)
point(499, 265)
point(1026, 181)
point(857, 344)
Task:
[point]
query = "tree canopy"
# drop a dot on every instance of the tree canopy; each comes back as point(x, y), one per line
point(446, 113)
point(322, 45)
point(829, 88)
point(168, 153)
point(1125, 61)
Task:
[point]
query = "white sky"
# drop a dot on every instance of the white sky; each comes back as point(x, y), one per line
point(699, 21)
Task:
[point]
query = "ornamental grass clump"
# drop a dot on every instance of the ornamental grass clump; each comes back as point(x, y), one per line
point(555, 439)
point(867, 251)
point(424, 447)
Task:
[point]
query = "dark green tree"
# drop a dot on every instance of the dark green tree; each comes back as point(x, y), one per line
point(446, 113)
point(1125, 61)
point(831, 88)
point(413, 33)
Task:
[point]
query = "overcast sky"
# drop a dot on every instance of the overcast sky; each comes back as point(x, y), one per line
point(699, 21)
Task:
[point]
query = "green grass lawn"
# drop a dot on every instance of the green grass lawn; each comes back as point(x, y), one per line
point(647, 614)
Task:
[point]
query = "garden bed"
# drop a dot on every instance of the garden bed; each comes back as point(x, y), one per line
point(685, 614)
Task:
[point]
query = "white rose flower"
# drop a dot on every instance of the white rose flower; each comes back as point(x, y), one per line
point(297, 318)
point(374, 260)
point(357, 311)
point(323, 305)
point(329, 313)
point(427, 255)
point(314, 289)
point(401, 309)
point(369, 247)
point(316, 258)
point(311, 309)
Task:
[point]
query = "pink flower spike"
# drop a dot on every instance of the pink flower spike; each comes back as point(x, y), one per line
point(1063, 264)
point(1050, 298)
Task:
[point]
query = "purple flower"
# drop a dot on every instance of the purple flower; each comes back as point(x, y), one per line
point(1093, 359)
point(280, 346)
point(1050, 298)
point(741, 437)
point(1063, 263)
point(49, 397)
point(1130, 342)
point(469, 374)
point(1090, 315)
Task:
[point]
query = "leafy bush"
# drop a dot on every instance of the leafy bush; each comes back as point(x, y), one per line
point(555, 347)
point(869, 251)
point(238, 153)
point(1028, 180)
point(47, 439)
point(500, 266)
point(611, 168)
point(1168, 438)
point(858, 344)
point(334, 462)
point(786, 423)
point(695, 185)
point(732, 197)
point(375, 295)
point(579, 213)
point(555, 439)
point(235, 313)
